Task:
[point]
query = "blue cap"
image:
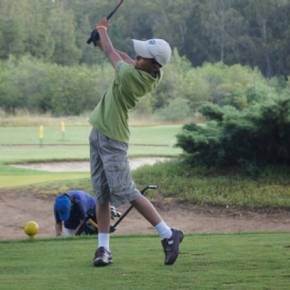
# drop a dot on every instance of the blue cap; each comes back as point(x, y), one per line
point(62, 206)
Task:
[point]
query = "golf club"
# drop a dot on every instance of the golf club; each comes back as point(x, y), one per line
point(94, 37)
point(91, 219)
point(114, 226)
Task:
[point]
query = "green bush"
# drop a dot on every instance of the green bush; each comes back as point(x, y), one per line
point(42, 87)
point(257, 136)
point(177, 110)
point(236, 85)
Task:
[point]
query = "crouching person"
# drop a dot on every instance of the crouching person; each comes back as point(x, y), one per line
point(71, 209)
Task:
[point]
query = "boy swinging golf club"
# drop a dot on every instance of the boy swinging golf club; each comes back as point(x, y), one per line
point(110, 172)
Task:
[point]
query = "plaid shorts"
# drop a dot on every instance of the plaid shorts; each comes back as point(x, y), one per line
point(110, 172)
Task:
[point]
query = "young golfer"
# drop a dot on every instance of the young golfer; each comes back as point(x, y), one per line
point(110, 172)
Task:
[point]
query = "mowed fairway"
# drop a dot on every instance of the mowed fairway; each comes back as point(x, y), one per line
point(154, 135)
point(214, 261)
point(21, 144)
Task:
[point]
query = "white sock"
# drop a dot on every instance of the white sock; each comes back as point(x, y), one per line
point(163, 230)
point(104, 240)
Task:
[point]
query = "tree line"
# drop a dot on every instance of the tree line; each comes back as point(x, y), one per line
point(249, 32)
point(43, 87)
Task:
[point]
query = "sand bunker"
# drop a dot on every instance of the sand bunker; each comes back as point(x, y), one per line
point(83, 166)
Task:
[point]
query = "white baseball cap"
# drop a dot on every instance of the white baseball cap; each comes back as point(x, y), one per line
point(157, 49)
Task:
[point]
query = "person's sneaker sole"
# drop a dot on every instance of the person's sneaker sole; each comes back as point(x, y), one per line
point(101, 263)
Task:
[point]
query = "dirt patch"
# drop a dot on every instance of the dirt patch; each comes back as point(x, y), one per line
point(18, 207)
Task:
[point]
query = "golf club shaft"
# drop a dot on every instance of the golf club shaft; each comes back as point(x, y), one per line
point(113, 227)
point(95, 35)
point(122, 217)
point(81, 227)
point(115, 10)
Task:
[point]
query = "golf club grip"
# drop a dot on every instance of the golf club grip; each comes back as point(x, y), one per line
point(122, 217)
point(94, 34)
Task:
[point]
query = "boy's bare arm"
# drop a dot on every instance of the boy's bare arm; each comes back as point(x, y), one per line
point(106, 43)
point(126, 58)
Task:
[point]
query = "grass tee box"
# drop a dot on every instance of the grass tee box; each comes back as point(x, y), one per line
point(215, 261)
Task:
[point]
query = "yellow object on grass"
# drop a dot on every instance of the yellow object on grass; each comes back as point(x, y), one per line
point(41, 132)
point(31, 228)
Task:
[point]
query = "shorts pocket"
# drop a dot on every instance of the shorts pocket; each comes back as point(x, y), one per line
point(119, 177)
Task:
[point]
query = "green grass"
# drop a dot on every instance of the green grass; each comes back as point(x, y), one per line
point(13, 177)
point(7, 181)
point(22, 153)
point(154, 135)
point(14, 154)
point(215, 261)
point(269, 189)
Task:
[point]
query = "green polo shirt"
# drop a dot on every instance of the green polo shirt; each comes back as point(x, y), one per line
point(111, 114)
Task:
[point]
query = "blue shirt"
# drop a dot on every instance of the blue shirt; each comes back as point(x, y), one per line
point(82, 204)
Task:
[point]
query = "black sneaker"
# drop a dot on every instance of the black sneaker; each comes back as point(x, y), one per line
point(171, 246)
point(103, 257)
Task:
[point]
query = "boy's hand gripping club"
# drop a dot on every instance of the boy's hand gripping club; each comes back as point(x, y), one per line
point(95, 37)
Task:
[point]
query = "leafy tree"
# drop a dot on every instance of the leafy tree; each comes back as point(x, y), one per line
point(62, 28)
point(12, 33)
point(249, 32)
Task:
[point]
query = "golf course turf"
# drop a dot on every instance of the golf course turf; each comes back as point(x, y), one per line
point(207, 261)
